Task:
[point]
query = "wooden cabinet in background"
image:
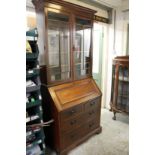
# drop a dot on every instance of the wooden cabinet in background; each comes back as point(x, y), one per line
point(70, 95)
point(120, 85)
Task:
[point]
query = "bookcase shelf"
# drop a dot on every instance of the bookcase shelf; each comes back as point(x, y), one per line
point(34, 137)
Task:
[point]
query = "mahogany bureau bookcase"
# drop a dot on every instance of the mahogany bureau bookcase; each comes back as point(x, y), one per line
point(70, 95)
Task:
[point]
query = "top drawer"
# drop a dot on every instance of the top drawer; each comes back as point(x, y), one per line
point(71, 112)
point(93, 104)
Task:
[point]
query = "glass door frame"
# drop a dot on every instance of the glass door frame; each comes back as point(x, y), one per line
point(91, 46)
point(46, 10)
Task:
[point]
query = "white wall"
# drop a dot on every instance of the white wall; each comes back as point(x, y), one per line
point(122, 19)
point(105, 63)
point(108, 68)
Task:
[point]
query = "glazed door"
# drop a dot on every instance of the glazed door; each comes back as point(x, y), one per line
point(97, 53)
point(82, 48)
point(58, 43)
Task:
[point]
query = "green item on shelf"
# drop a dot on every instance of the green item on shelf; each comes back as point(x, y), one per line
point(32, 100)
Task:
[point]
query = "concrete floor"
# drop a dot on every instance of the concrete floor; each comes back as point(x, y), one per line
point(114, 139)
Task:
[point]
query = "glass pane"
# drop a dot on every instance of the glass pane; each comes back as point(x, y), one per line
point(82, 72)
point(57, 74)
point(82, 47)
point(58, 46)
point(96, 50)
point(123, 89)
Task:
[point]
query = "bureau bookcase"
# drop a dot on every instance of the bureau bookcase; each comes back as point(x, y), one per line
point(70, 95)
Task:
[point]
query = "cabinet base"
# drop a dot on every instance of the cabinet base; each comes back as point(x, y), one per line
point(65, 152)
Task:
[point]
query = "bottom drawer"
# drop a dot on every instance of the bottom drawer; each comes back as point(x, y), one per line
point(71, 137)
point(91, 125)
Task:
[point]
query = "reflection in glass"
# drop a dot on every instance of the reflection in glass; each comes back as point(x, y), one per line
point(82, 47)
point(58, 46)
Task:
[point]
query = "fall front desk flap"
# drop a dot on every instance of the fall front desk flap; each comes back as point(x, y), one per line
point(71, 94)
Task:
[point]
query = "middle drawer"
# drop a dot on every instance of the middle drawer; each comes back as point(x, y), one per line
point(92, 113)
point(72, 123)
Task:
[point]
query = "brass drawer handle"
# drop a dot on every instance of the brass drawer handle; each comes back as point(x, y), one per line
point(91, 112)
point(72, 136)
point(90, 125)
point(73, 122)
point(92, 103)
point(73, 111)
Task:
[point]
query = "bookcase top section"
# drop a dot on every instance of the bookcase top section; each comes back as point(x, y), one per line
point(71, 94)
point(46, 3)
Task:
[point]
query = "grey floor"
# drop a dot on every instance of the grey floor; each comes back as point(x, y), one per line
point(114, 139)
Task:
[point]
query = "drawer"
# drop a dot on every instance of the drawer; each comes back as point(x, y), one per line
point(92, 104)
point(91, 125)
point(71, 112)
point(92, 113)
point(71, 137)
point(72, 124)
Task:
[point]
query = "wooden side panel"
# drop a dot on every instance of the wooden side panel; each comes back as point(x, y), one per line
point(52, 133)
